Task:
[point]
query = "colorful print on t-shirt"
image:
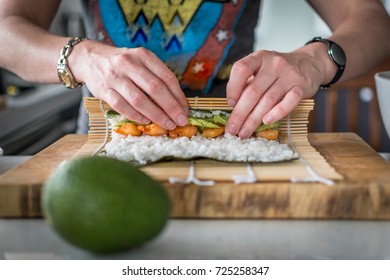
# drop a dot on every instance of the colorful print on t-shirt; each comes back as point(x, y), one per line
point(191, 36)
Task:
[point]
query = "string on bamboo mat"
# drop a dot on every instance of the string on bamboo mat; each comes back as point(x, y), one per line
point(314, 176)
point(191, 179)
point(249, 178)
point(98, 149)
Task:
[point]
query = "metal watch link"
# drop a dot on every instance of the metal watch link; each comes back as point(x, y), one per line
point(63, 71)
point(336, 54)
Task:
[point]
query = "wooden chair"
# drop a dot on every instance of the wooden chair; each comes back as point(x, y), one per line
point(342, 109)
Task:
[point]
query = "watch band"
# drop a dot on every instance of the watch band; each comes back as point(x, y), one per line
point(63, 62)
point(336, 54)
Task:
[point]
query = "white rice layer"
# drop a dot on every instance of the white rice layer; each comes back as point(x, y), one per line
point(148, 149)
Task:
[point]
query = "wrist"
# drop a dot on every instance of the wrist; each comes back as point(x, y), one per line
point(65, 64)
point(327, 68)
point(332, 57)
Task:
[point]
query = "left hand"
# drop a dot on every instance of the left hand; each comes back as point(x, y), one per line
point(265, 86)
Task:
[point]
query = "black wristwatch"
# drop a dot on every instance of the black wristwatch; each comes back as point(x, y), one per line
point(336, 54)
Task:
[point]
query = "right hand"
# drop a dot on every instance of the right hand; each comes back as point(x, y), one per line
point(128, 80)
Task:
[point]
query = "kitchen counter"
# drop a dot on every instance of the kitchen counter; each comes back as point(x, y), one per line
point(216, 239)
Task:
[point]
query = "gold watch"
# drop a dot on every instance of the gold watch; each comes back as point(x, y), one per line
point(63, 70)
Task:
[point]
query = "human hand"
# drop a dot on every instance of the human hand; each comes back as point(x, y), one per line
point(265, 86)
point(128, 80)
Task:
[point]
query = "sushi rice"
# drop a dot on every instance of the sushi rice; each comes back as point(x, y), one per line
point(148, 149)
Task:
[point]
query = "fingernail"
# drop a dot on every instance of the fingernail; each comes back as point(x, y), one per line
point(231, 102)
point(244, 133)
point(182, 120)
point(231, 128)
point(145, 120)
point(170, 125)
point(268, 119)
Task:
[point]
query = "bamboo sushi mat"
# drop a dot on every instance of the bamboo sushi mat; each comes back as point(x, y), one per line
point(294, 132)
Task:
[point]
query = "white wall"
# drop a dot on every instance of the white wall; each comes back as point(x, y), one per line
point(284, 25)
point(386, 3)
point(69, 8)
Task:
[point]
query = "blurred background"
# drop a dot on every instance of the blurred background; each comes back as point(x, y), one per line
point(34, 116)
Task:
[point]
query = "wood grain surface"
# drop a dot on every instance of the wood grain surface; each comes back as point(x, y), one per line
point(364, 193)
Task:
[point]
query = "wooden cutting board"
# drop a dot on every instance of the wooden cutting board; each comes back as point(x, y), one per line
point(364, 193)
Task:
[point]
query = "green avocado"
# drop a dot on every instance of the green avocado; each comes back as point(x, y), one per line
point(220, 119)
point(201, 123)
point(267, 126)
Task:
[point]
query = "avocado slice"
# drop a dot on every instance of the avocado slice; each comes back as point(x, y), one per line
point(267, 126)
point(220, 119)
point(201, 123)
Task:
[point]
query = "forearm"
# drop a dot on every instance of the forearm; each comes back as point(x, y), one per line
point(30, 51)
point(362, 31)
point(364, 49)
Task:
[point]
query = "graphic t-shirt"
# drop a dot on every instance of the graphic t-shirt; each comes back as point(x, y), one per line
point(197, 39)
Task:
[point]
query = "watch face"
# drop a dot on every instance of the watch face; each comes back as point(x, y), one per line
point(337, 54)
point(65, 78)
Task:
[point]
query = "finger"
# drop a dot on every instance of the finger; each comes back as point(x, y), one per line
point(172, 83)
point(120, 105)
point(269, 99)
point(285, 106)
point(249, 99)
point(159, 92)
point(140, 102)
point(159, 69)
point(241, 72)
